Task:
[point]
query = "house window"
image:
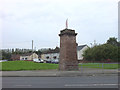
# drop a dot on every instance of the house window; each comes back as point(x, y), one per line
point(25, 58)
point(54, 57)
point(47, 57)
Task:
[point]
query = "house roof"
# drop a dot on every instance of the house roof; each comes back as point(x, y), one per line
point(80, 47)
point(27, 54)
point(47, 52)
point(18, 55)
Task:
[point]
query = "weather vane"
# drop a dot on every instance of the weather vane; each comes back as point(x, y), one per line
point(66, 23)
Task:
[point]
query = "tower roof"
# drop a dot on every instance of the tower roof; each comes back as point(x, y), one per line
point(67, 32)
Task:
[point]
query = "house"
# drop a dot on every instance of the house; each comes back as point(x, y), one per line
point(80, 51)
point(15, 57)
point(29, 56)
point(54, 55)
point(49, 56)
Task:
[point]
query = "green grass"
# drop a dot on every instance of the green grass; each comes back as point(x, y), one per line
point(26, 65)
point(29, 65)
point(99, 65)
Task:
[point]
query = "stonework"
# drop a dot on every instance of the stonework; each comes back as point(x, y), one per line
point(68, 50)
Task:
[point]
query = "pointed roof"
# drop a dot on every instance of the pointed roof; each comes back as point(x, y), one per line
point(80, 47)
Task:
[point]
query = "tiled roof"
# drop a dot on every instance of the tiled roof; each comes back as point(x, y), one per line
point(27, 54)
point(47, 52)
point(80, 47)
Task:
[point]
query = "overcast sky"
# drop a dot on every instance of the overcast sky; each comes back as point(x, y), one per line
point(22, 21)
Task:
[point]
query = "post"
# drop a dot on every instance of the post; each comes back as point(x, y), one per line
point(82, 68)
point(102, 68)
point(32, 49)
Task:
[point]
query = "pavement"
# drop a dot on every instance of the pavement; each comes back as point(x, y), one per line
point(57, 73)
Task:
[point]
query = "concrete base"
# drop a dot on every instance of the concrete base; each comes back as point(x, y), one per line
point(73, 66)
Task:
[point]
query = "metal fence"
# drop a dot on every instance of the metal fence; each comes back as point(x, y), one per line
point(98, 68)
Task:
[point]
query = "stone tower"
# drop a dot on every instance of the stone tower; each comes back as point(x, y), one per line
point(68, 50)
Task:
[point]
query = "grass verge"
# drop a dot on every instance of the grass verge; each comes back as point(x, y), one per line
point(100, 65)
point(26, 65)
point(29, 65)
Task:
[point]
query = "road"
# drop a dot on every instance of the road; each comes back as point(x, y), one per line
point(61, 82)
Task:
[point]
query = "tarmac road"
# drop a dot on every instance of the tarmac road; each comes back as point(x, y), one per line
point(99, 81)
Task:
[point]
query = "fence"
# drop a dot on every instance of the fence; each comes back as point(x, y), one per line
point(98, 68)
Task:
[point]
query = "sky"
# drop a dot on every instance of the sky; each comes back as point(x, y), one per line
point(22, 21)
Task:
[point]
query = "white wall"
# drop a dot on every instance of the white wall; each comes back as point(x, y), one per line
point(23, 57)
point(51, 56)
point(34, 56)
point(79, 53)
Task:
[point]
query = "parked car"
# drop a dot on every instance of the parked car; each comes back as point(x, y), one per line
point(38, 60)
point(55, 61)
point(3, 60)
point(48, 61)
point(41, 60)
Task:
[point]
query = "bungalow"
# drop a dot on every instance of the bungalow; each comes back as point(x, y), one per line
point(29, 56)
point(49, 56)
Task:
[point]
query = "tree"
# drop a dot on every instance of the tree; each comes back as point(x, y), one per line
point(101, 53)
point(119, 44)
point(57, 49)
point(6, 55)
point(109, 50)
point(112, 41)
point(38, 52)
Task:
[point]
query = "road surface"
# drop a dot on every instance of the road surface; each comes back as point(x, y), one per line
point(110, 81)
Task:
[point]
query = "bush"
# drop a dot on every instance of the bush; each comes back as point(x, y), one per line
point(102, 53)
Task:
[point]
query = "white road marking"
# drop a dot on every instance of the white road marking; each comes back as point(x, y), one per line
point(23, 85)
point(75, 85)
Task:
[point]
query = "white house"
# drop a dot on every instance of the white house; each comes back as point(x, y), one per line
point(50, 56)
point(80, 51)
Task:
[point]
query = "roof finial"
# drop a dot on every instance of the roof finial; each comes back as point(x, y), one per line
point(66, 23)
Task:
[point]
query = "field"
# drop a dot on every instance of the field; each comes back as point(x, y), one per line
point(29, 65)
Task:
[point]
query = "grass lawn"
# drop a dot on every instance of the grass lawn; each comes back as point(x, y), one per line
point(100, 65)
point(29, 65)
point(26, 65)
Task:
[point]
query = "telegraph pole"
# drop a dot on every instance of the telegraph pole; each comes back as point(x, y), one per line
point(35, 48)
point(32, 49)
